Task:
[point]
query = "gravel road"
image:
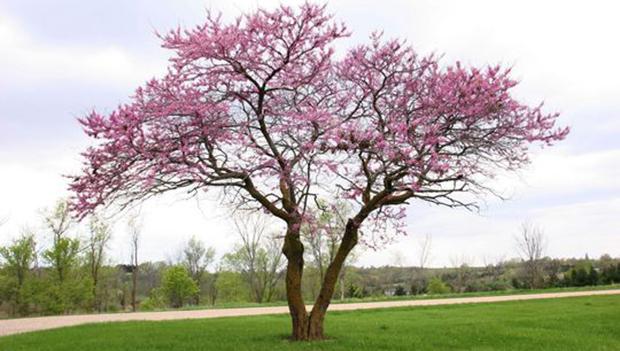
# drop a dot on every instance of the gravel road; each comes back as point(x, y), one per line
point(22, 325)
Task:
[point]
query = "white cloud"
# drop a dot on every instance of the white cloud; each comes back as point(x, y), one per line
point(26, 61)
point(554, 172)
point(563, 51)
point(588, 227)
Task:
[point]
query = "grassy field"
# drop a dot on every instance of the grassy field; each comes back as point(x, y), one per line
point(584, 323)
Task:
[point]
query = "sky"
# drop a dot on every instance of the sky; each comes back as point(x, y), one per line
point(61, 59)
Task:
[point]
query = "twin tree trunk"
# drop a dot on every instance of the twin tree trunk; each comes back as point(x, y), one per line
point(309, 326)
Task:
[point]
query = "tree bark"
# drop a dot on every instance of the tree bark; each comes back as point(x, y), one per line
point(317, 315)
point(310, 327)
point(293, 249)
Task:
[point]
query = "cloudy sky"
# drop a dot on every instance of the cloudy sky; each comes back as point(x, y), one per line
point(60, 59)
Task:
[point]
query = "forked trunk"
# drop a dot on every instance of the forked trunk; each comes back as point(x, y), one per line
point(311, 327)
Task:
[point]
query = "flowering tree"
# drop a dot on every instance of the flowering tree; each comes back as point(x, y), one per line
point(261, 109)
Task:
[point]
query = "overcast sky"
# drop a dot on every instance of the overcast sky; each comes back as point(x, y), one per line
point(60, 59)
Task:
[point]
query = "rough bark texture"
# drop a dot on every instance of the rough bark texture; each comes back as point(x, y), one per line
point(294, 251)
point(310, 327)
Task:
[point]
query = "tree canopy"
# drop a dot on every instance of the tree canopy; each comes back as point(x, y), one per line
point(262, 109)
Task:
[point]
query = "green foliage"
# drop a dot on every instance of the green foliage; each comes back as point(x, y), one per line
point(583, 274)
point(155, 301)
point(357, 292)
point(611, 274)
point(177, 286)
point(53, 297)
point(231, 287)
point(64, 289)
point(436, 286)
point(18, 259)
point(62, 256)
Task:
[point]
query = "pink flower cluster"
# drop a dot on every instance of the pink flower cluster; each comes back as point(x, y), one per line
point(261, 109)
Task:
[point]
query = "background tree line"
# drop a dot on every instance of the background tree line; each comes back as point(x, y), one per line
point(62, 273)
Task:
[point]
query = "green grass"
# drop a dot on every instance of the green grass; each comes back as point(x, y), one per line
point(584, 323)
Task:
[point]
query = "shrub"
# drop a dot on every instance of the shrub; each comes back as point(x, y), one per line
point(437, 286)
point(177, 286)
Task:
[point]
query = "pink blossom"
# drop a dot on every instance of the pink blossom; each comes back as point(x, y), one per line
point(261, 109)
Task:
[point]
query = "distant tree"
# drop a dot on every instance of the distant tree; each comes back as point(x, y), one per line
point(196, 258)
point(18, 259)
point(462, 271)
point(531, 245)
point(149, 276)
point(59, 220)
point(552, 269)
point(400, 291)
point(419, 281)
point(63, 254)
point(437, 286)
point(578, 276)
point(356, 291)
point(258, 257)
point(110, 284)
point(611, 273)
point(231, 287)
point(494, 267)
point(134, 228)
point(399, 259)
point(323, 239)
point(99, 236)
point(593, 277)
point(178, 286)
point(65, 290)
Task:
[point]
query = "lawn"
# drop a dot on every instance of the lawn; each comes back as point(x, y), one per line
point(584, 323)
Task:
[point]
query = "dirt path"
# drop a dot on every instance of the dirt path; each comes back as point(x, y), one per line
point(15, 326)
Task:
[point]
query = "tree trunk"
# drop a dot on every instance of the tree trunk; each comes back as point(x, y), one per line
point(96, 306)
point(317, 315)
point(293, 249)
point(311, 327)
point(134, 284)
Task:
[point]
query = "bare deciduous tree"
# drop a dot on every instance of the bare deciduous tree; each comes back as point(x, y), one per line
point(531, 245)
point(399, 259)
point(134, 229)
point(424, 251)
point(99, 236)
point(419, 279)
point(323, 240)
point(59, 220)
point(494, 266)
point(462, 266)
point(196, 258)
point(63, 254)
point(258, 257)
